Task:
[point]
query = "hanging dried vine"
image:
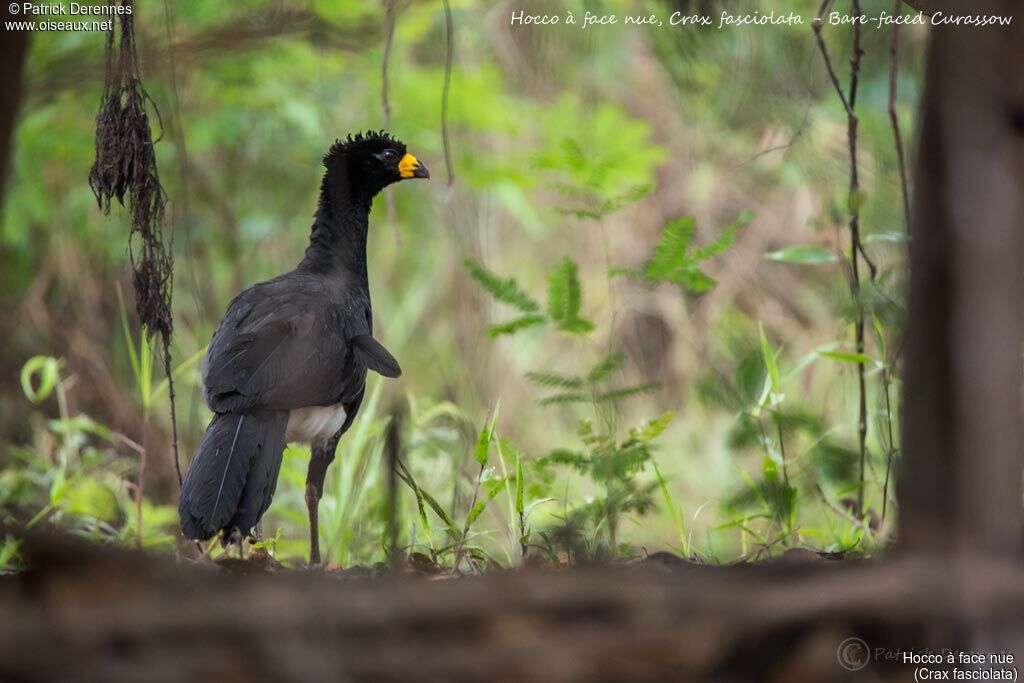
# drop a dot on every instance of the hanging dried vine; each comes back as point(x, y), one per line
point(126, 165)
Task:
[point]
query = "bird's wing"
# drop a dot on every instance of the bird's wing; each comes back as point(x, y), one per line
point(373, 354)
point(280, 346)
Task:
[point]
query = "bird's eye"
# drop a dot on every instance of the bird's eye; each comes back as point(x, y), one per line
point(390, 155)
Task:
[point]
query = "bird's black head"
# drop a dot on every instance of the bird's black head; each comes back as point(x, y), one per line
point(371, 161)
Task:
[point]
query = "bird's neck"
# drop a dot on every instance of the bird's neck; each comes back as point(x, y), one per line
point(337, 242)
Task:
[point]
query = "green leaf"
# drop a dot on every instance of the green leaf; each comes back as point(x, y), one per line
point(513, 326)
point(638, 192)
point(483, 443)
point(568, 397)
point(519, 483)
point(405, 475)
point(529, 508)
point(768, 354)
point(87, 497)
point(670, 254)
point(677, 520)
point(725, 240)
point(573, 154)
point(808, 256)
point(565, 298)
point(555, 380)
point(48, 370)
point(505, 290)
point(846, 357)
point(561, 456)
point(885, 236)
point(626, 392)
point(450, 526)
point(836, 462)
point(653, 429)
point(693, 279)
point(605, 367)
point(492, 491)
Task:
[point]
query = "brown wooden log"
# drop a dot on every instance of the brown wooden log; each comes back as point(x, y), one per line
point(102, 614)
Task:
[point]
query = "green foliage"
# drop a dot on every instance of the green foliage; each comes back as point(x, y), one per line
point(614, 465)
point(47, 370)
point(677, 260)
point(504, 290)
point(483, 442)
point(565, 299)
point(79, 482)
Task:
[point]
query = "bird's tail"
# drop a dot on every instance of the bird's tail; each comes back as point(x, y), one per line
point(232, 478)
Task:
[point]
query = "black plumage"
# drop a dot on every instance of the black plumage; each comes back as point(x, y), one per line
point(289, 360)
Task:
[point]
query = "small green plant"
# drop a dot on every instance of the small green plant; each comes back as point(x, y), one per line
point(614, 465)
point(82, 480)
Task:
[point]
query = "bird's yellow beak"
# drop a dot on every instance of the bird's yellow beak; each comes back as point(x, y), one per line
point(410, 167)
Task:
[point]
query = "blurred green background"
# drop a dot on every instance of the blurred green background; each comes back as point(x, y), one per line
point(564, 142)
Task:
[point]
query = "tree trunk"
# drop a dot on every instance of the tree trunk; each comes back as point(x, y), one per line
point(960, 487)
point(13, 49)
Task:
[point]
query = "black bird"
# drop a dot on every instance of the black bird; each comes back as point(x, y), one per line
point(288, 362)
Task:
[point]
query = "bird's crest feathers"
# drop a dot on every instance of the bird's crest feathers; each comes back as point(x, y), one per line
point(377, 138)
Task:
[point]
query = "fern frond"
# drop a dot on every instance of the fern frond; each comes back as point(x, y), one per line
point(723, 241)
point(555, 380)
point(506, 290)
point(605, 367)
point(671, 253)
point(626, 392)
point(513, 326)
point(568, 397)
point(565, 299)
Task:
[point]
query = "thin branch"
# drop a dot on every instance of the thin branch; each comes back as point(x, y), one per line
point(891, 449)
point(894, 62)
point(816, 25)
point(385, 104)
point(449, 50)
point(855, 247)
point(849, 100)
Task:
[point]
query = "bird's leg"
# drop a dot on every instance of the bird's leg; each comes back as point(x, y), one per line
point(313, 504)
point(322, 457)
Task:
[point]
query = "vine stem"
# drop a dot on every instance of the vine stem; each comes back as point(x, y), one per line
point(849, 101)
point(894, 63)
point(448, 55)
point(385, 105)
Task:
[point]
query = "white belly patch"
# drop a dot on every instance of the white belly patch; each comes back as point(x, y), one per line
point(316, 422)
